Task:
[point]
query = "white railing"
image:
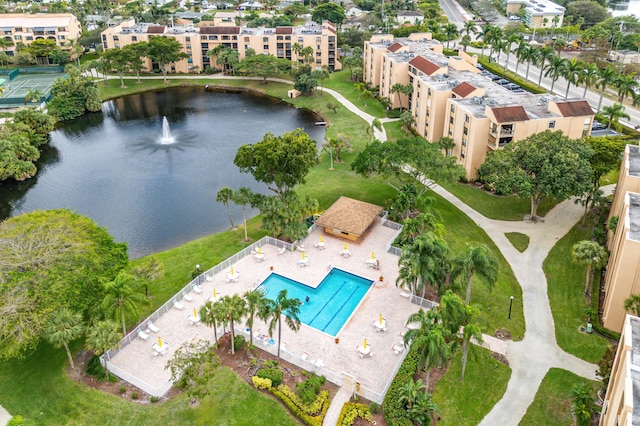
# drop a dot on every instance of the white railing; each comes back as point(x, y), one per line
point(425, 303)
point(156, 391)
point(390, 248)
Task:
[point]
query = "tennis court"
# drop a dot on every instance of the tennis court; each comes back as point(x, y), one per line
point(19, 86)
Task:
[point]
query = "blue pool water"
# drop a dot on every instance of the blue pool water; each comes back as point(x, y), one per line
point(330, 304)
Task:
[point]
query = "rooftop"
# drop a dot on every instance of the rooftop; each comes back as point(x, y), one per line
point(145, 27)
point(36, 20)
point(349, 215)
point(634, 160)
point(634, 223)
point(539, 7)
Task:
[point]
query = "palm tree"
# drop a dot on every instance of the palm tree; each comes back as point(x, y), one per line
point(545, 54)
point(589, 253)
point(406, 118)
point(63, 327)
point(475, 260)
point(255, 302)
point(626, 85)
point(470, 27)
point(210, 314)
point(410, 392)
point(531, 55)
point(243, 196)
point(423, 408)
point(446, 144)
point(33, 95)
point(122, 299)
point(234, 308)
point(588, 76)
point(433, 349)
point(450, 30)
point(102, 336)
point(614, 113)
point(520, 52)
point(398, 89)
point(605, 76)
point(485, 35)
point(570, 72)
point(223, 196)
point(366, 95)
point(555, 70)
point(423, 263)
point(274, 309)
point(513, 38)
point(632, 304)
point(495, 37)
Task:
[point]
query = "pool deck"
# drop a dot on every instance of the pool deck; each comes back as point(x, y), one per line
point(338, 358)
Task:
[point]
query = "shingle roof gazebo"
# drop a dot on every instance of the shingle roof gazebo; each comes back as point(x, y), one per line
point(348, 218)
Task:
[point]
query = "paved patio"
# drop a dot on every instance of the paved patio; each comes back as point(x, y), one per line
point(383, 298)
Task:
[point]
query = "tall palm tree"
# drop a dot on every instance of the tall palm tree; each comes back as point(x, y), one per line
point(589, 77)
point(223, 196)
point(423, 263)
point(255, 302)
point(210, 314)
point(513, 38)
point(470, 27)
point(531, 55)
point(614, 113)
point(275, 309)
point(626, 85)
point(544, 56)
point(485, 34)
point(63, 327)
point(520, 52)
point(589, 253)
point(475, 260)
point(102, 336)
point(121, 299)
point(495, 36)
point(555, 70)
point(433, 349)
point(571, 71)
point(398, 88)
point(606, 75)
point(450, 30)
point(234, 308)
point(243, 196)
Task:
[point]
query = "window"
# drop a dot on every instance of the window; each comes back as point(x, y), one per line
point(115, 38)
point(225, 37)
point(453, 108)
point(465, 130)
point(18, 29)
point(462, 154)
point(188, 46)
point(287, 37)
point(134, 38)
point(426, 133)
point(265, 47)
point(60, 37)
point(450, 120)
point(215, 37)
point(429, 92)
point(279, 38)
point(466, 118)
point(552, 124)
point(300, 39)
point(464, 142)
point(246, 39)
point(187, 38)
point(265, 39)
point(62, 29)
point(318, 39)
point(18, 37)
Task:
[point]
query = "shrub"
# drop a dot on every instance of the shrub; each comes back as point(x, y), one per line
point(313, 414)
point(134, 395)
point(272, 374)
point(351, 411)
point(154, 399)
point(260, 383)
point(308, 389)
point(122, 389)
point(374, 408)
point(20, 421)
point(393, 409)
point(238, 342)
point(95, 369)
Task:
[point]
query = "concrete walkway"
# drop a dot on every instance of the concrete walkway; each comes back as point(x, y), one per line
point(4, 416)
point(340, 398)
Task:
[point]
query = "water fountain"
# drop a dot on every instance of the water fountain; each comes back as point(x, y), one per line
point(166, 138)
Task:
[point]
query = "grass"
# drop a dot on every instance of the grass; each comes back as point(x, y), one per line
point(395, 131)
point(493, 304)
point(518, 240)
point(565, 280)
point(552, 404)
point(340, 81)
point(498, 207)
point(37, 387)
point(466, 403)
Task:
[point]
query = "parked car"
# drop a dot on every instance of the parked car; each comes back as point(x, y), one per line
point(597, 125)
point(512, 86)
point(502, 82)
point(494, 77)
point(518, 90)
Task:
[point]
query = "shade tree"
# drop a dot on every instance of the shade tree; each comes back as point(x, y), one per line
point(164, 51)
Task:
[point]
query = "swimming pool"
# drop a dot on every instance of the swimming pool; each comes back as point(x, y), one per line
point(330, 304)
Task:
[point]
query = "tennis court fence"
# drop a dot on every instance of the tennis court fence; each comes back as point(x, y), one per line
point(15, 101)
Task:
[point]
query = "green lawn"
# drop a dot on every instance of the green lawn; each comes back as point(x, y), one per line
point(340, 81)
point(552, 404)
point(565, 280)
point(499, 207)
point(466, 403)
point(395, 131)
point(38, 388)
point(518, 240)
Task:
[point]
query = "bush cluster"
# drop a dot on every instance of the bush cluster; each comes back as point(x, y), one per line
point(308, 389)
point(260, 383)
point(394, 411)
point(312, 414)
point(272, 374)
point(351, 411)
point(238, 342)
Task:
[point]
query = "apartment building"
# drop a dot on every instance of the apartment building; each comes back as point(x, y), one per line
point(622, 277)
point(451, 99)
point(25, 28)
point(537, 13)
point(621, 405)
point(197, 41)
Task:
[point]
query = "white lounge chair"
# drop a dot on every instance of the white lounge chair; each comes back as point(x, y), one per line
point(281, 250)
point(197, 289)
point(304, 356)
point(319, 363)
point(143, 335)
point(178, 305)
point(152, 327)
point(397, 348)
point(188, 297)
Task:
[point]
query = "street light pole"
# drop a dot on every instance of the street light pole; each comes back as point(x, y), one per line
point(198, 272)
point(510, 306)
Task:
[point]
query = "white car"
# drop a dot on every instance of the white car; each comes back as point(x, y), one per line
point(514, 18)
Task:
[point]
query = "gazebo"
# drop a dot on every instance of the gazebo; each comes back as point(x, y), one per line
point(348, 218)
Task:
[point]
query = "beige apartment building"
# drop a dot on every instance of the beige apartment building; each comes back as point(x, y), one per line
point(622, 277)
point(537, 13)
point(197, 41)
point(451, 99)
point(621, 405)
point(25, 28)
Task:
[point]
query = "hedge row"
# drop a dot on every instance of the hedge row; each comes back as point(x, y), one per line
point(351, 411)
point(395, 413)
point(274, 374)
point(284, 393)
